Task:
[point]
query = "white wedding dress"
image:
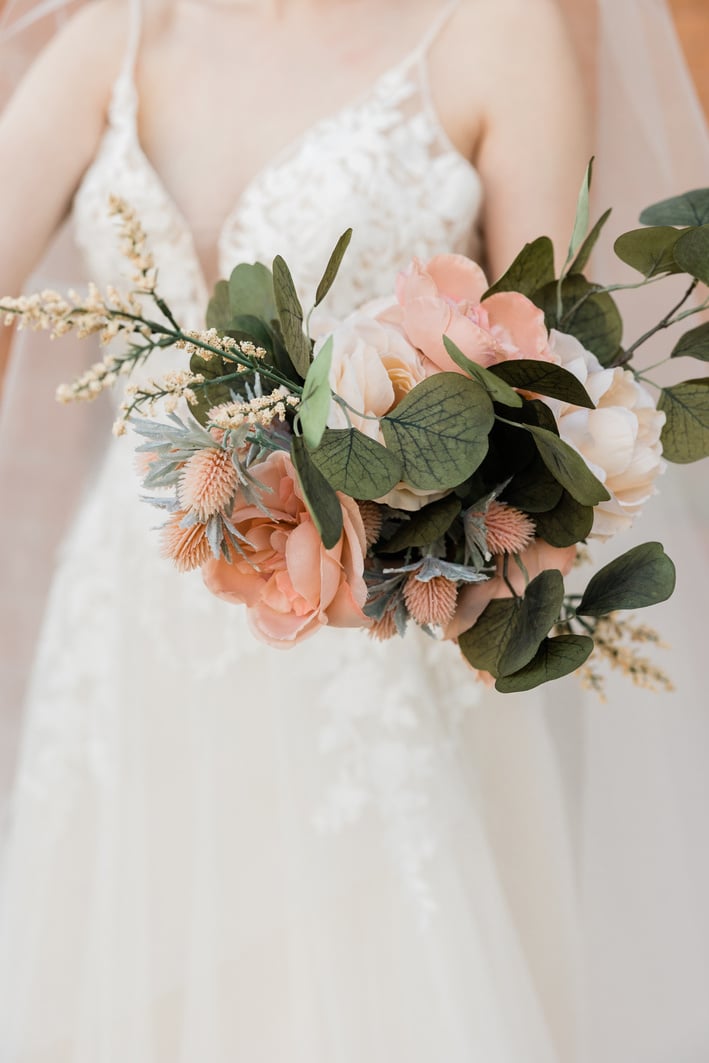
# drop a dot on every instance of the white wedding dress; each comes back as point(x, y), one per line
point(342, 853)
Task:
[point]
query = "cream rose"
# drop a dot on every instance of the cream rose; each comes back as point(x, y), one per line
point(619, 440)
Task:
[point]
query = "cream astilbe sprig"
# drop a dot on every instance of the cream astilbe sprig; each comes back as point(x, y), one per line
point(259, 411)
point(617, 643)
point(134, 244)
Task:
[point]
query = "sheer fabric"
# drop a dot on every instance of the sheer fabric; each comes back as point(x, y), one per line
point(204, 864)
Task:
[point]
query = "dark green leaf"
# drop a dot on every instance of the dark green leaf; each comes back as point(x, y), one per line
point(532, 269)
point(579, 263)
point(440, 431)
point(509, 632)
point(568, 467)
point(692, 253)
point(534, 489)
point(290, 315)
point(357, 465)
point(333, 266)
point(685, 436)
point(219, 308)
point(593, 318)
point(322, 502)
point(246, 326)
point(498, 390)
point(251, 291)
point(650, 251)
point(425, 527)
point(315, 403)
point(543, 378)
point(642, 576)
point(568, 523)
point(556, 657)
point(694, 344)
point(691, 208)
point(213, 394)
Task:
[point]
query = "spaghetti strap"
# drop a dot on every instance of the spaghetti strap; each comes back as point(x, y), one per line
point(437, 26)
point(124, 99)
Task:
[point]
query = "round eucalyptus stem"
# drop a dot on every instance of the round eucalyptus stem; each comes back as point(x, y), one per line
point(665, 322)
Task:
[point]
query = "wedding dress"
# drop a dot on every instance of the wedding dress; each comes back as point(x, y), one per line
point(339, 853)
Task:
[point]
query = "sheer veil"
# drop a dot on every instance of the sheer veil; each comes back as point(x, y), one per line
point(634, 771)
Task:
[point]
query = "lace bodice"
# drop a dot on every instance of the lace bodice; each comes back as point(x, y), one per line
point(382, 164)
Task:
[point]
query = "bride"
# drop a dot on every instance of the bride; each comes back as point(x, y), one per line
point(345, 852)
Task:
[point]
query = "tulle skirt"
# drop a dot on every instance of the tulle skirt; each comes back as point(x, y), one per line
point(344, 852)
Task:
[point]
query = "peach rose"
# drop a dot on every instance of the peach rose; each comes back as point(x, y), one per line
point(290, 584)
point(619, 440)
point(444, 298)
point(474, 598)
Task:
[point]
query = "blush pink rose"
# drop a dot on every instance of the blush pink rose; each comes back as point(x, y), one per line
point(291, 585)
point(474, 598)
point(444, 297)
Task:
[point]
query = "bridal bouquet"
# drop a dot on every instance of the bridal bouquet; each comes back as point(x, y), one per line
point(437, 458)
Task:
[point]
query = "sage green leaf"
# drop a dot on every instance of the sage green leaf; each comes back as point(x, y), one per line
point(692, 253)
point(685, 435)
point(568, 523)
point(219, 308)
point(498, 390)
point(333, 266)
point(581, 260)
point(642, 576)
point(543, 378)
point(425, 527)
point(649, 250)
point(322, 502)
point(567, 466)
point(532, 269)
point(582, 213)
point(592, 317)
point(317, 396)
point(212, 394)
point(251, 291)
point(694, 344)
point(509, 632)
point(691, 208)
point(533, 489)
point(353, 463)
point(290, 315)
point(440, 431)
point(555, 658)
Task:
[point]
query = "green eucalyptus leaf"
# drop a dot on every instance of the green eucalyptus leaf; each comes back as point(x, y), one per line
point(650, 250)
point(640, 577)
point(440, 431)
point(532, 269)
point(584, 253)
point(333, 266)
point(509, 632)
point(322, 502)
point(555, 658)
point(355, 464)
point(692, 253)
point(582, 213)
point(498, 390)
point(317, 396)
point(425, 527)
point(691, 208)
point(544, 378)
point(219, 308)
point(694, 344)
point(568, 467)
point(533, 489)
point(592, 317)
point(568, 523)
point(685, 435)
point(251, 291)
point(290, 315)
point(246, 326)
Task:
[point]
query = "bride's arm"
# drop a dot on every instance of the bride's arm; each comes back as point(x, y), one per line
point(48, 135)
point(528, 121)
